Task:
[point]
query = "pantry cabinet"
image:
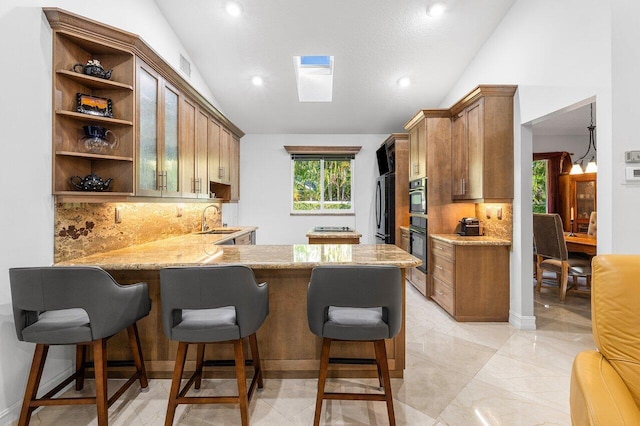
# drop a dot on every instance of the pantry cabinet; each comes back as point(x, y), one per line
point(482, 145)
point(152, 127)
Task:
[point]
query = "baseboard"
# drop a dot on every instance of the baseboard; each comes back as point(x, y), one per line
point(9, 416)
point(522, 322)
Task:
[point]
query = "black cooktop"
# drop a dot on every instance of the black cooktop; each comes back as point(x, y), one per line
point(332, 229)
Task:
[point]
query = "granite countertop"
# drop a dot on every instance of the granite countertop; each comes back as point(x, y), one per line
point(202, 249)
point(471, 241)
point(333, 234)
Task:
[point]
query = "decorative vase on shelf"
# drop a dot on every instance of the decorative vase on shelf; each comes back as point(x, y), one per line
point(98, 140)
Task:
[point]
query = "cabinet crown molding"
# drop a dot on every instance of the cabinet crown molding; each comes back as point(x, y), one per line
point(483, 90)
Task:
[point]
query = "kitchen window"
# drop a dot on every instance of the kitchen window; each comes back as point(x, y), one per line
point(322, 182)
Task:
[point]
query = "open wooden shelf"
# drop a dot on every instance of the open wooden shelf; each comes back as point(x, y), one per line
point(94, 156)
point(98, 118)
point(94, 82)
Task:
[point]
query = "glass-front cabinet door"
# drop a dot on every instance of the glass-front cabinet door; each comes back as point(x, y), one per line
point(158, 169)
point(585, 200)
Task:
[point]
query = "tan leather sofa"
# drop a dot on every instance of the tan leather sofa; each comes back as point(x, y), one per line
point(605, 384)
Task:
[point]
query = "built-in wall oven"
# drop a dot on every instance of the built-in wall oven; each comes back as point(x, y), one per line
point(418, 240)
point(418, 196)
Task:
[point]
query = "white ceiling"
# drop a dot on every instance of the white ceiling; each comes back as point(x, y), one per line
point(569, 123)
point(374, 43)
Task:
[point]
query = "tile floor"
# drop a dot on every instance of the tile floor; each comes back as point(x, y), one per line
point(457, 374)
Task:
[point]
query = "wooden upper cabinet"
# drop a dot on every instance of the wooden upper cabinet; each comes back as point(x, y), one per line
point(164, 127)
point(234, 165)
point(417, 150)
point(482, 145)
point(193, 154)
point(158, 148)
point(224, 168)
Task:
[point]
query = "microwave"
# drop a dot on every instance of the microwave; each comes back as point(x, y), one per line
point(418, 196)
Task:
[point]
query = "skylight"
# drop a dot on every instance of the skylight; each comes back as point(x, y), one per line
point(314, 78)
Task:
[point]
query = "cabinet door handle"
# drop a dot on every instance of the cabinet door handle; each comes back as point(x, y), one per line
point(439, 267)
point(221, 172)
point(440, 292)
point(438, 248)
point(464, 186)
point(164, 181)
point(159, 182)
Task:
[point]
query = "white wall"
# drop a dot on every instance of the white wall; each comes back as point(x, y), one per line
point(25, 117)
point(265, 182)
point(575, 145)
point(625, 201)
point(558, 53)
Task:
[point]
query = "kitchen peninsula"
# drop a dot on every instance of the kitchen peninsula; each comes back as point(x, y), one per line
point(287, 347)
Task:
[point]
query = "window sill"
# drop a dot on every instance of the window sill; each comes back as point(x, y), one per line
point(321, 214)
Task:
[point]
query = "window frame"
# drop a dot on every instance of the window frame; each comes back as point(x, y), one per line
point(322, 157)
point(324, 153)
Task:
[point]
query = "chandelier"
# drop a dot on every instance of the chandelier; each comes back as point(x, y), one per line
point(592, 167)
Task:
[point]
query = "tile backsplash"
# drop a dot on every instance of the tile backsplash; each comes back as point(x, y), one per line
point(81, 229)
point(487, 213)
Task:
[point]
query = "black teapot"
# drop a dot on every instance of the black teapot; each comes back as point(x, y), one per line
point(94, 69)
point(90, 182)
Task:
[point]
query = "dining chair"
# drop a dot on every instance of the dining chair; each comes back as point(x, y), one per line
point(592, 231)
point(355, 303)
point(552, 254)
point(81, 306)
point(212, 304)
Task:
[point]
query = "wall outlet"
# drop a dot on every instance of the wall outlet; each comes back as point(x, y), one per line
point(118, 217)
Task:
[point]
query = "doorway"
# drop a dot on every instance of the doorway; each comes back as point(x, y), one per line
point(558, 141)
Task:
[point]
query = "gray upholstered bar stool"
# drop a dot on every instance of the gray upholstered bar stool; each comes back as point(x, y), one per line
point(355, 303)
point(212, 304)
point(80, 306)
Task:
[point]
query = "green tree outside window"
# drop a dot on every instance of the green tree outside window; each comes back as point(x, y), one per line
point(539, 186)
point(322, 185)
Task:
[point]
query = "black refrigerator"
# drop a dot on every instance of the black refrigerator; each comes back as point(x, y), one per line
point(385, 209)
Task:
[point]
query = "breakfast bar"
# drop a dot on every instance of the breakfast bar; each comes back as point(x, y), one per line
point(287, 347)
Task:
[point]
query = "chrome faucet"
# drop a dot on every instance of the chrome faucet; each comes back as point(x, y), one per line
point(204, 221)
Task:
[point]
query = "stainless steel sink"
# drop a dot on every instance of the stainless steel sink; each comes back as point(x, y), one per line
point(221, 231)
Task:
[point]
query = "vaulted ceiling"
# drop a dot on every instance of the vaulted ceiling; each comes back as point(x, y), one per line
point(374, 43)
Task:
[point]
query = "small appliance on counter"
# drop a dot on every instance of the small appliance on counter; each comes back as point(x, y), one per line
point(469, 227)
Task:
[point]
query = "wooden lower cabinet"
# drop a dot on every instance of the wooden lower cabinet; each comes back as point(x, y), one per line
point(471, 282)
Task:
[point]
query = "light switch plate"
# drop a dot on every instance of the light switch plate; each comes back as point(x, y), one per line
point(632, 156)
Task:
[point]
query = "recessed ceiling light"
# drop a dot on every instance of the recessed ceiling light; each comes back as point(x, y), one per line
point(257, 80)
point(436, 9)
point(404, 82)
point(234, 9)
